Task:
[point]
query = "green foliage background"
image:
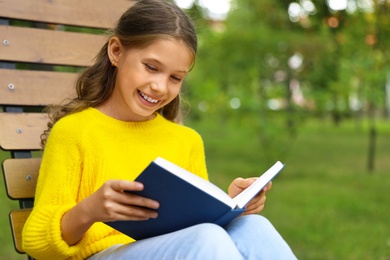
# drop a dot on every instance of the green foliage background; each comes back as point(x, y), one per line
point(327, 203)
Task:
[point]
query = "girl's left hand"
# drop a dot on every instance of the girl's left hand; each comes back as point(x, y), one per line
point(258, 202)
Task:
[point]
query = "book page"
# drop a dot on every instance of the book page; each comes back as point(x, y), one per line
point(246, 195)
point(197, 181)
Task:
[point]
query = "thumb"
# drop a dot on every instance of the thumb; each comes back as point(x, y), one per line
point(238, 185)
point(242, 183)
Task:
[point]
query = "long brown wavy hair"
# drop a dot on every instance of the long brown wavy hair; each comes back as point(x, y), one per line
point(142, 24)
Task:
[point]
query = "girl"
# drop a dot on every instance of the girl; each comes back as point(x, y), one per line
point(123, 118)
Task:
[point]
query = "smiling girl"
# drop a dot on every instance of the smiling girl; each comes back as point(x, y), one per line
point(97, 143)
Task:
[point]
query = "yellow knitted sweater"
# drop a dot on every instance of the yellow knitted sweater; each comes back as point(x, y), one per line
point(83, 151)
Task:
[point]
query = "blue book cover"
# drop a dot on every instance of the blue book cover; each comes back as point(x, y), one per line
point(185, 200)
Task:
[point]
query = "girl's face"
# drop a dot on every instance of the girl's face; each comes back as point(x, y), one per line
point(147, 79)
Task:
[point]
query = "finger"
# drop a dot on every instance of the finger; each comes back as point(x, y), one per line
point(238, 183)
point(234, 187)
point(138, 213)
point(120, 192)
point(112, 193)
point(126, 212)
point(255, 211)
point(244, 183)
point(256, 203)
point(123, 185)
point(137, 200)
point(259, 196)
point(268, 187)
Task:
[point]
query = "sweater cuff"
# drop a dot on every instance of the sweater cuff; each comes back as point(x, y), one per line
point(42, 238)
point(55, 234)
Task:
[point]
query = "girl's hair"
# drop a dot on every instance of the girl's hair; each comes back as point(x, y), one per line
point(143, 23)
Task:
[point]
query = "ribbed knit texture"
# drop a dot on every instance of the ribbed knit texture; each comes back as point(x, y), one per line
point(83, 151)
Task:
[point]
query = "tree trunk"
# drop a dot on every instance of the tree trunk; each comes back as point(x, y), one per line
point(371, 139)
point(371, 149)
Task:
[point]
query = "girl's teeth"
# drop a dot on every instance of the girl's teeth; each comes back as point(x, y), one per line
point(149, 99)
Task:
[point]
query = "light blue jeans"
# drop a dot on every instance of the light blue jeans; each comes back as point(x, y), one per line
point(247, 237)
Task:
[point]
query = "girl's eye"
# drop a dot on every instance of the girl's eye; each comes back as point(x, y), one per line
point(177, 79)
point(150, 67)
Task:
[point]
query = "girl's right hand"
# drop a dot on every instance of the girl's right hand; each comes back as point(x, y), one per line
point(111, 202)
point(114, 201)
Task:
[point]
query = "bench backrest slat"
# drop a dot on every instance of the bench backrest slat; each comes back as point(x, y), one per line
point(48, 46)
point(17, 218)
point(35, 88)
point(21, 173)
point(43, 45)
point(21, 131)
point(85, 13)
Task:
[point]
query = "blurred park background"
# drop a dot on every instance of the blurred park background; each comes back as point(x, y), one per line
point(307, 83)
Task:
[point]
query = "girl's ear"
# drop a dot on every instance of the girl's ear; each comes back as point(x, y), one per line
point(114, 50)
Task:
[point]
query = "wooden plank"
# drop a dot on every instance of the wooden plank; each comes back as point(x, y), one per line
point(17, 218)
point(87, 13)
point(21, 177)
point(22, 131)
point(35, 88)
point(48, 46)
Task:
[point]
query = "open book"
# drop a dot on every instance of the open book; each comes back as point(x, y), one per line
point(186, 200)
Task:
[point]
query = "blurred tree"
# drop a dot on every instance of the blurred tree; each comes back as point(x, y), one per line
point(273, 59)
point(349, 70)
point(243, 65)
point(378, 37)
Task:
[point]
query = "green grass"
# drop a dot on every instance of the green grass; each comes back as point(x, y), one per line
point(325, 203)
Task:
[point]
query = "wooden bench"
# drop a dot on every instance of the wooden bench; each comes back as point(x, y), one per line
point(39, 41)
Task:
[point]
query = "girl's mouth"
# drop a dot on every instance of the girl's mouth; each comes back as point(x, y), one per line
point(147, 98)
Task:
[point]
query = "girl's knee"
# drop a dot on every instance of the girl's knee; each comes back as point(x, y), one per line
point(251, 221)
point(257, 238)
point(251, 224)
point(262, 222)
point(213, 241)
point(259, 220)
point(210, 233)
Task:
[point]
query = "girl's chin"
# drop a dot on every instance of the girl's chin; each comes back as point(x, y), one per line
point(146, 115)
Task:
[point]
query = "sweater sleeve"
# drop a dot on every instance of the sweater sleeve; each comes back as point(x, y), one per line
point(198, 159)
point(56, 193)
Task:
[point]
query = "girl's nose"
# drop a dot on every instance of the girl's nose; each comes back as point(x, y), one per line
point(159, 86)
